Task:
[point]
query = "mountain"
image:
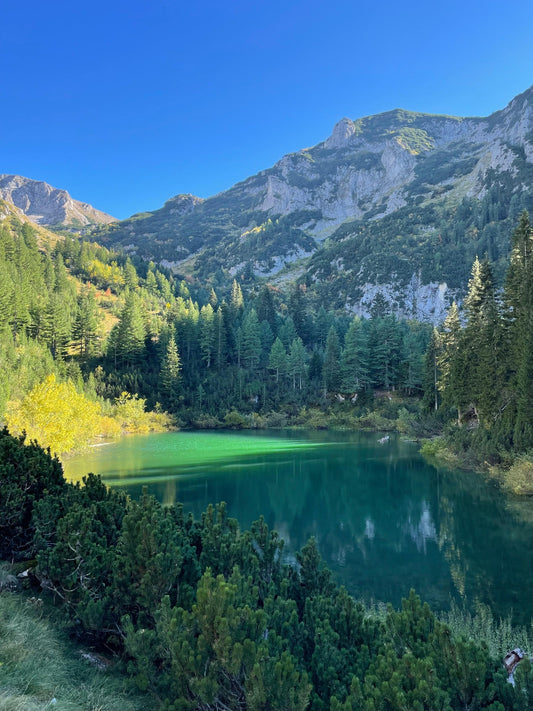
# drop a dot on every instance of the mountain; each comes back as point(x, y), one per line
point(11, 215)
point(399, 202)
point(45, 205)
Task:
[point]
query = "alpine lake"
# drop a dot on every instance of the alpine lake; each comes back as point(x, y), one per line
point(385, 519)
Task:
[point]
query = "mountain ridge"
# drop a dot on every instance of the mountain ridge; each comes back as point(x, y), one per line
point(398, 202)
point(48, 206)
point(365, 170)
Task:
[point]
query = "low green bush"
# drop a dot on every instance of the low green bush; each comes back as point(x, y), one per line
point(519, 478)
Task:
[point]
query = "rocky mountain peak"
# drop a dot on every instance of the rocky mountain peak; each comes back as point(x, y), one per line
point(183, 204)
point(46, 205)
point(341, 134)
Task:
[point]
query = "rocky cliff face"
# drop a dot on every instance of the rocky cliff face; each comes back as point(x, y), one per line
point(401, 197)
point(46, 205)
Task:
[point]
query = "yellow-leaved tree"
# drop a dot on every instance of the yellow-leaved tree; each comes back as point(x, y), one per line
point(55, 415)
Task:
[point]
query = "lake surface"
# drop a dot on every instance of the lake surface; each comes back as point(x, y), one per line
point(385, 520)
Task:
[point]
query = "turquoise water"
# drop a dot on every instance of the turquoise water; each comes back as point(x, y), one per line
point(385, 520)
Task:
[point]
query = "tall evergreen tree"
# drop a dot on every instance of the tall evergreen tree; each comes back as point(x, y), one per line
point(56, 327)
point(85, 328)
point(297, 310)
point(207, 334)
point(236, 299)
point(431, 372)
point(385, 342)
point(251, 340)
point(354, 362)
point(481, 341)
point(171, 375)
point(331, 370)
point(220, 338)
point(523, 428)
point(265, 307)
point(277, 360)
point(130, 332)
point(296, 362)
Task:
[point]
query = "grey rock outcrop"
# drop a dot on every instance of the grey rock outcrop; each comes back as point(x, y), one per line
point(46, 205)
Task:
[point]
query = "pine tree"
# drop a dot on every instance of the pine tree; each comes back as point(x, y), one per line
point(296, 362)
point(130, 332)
point(220, 339)
point(447, 353)
point(207, 334)
point(85, 328)
point(251, 340)
point(519, 275)
point(323, 322)
point(56, 327)
point(354, 362)
point(6, 296)
point(265, 307)
point(151, 282)
point(236, 299)
point(213, 300)
point(277, 359)
point(481, 344)
point(385, 342)
point(267, 339)
point(171, 374)
point(297, 311)
point(332, 367)
point(412, 366)
point(523, 429)
point(430, 383)
point(130, 275)
point(287, 332)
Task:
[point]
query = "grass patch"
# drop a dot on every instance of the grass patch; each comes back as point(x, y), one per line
point(41, 669)
point(498, 634)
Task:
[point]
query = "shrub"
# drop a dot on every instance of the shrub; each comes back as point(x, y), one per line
point(519, 478)
point(235, 421)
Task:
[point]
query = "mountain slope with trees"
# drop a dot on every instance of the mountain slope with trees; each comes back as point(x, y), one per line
point(54, 324)
point(480, 364)
point(400, 202)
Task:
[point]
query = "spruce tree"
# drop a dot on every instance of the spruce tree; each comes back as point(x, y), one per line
point(251, 340)
point(236, 299)
point(207, 334)
point(265, 307)
point(331, 370)
point(430, 399)
point(85, 328)
point(277, 360)
point(130, 332)
point(354, 363)
point(171, 374)
point(296, 362)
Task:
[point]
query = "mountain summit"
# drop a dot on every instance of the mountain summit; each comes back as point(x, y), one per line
point(396, 201)
point(46, 205)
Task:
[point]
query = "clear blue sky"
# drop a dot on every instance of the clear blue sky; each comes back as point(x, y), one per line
point(125, 104)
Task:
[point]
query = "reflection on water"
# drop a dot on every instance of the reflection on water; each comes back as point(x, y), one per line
point(384, 519)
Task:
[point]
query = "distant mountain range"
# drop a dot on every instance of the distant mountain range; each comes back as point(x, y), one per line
point(45, 205)
point(398, 203)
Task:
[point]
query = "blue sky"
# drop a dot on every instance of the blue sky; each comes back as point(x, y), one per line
point(126, 104)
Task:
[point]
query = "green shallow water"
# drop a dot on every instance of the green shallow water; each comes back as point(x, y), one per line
point(385, 520)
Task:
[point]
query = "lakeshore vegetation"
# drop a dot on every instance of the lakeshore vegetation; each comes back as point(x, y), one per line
point(204, 615)
point(94, 345)
point(207, 616)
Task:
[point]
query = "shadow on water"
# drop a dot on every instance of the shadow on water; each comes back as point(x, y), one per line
point(385, 520)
